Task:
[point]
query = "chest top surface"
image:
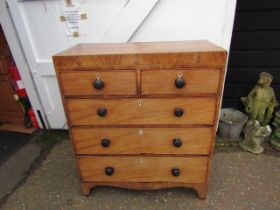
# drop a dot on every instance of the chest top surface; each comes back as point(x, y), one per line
point(142, 48)
point(144, 54)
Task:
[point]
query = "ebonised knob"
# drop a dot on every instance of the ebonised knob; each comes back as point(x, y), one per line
point(109, 171)
point(178, 112)
point(105, 142)
point(180, 82)
point(98, 84)
point(175, 171)
point(101, 111)
point(177, 142)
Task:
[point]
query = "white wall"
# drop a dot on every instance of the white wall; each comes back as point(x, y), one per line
point(189, 20)
point(42, 34)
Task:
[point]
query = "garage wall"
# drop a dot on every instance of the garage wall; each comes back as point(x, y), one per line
point(255, 48)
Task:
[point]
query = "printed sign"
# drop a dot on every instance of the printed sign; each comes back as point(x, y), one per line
point(74, 18)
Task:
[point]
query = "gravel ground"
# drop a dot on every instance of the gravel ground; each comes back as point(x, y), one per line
point(239, 180)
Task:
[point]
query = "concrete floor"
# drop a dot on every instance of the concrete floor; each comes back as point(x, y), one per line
point(10, 143)
point(17, 154)
point(239, 180)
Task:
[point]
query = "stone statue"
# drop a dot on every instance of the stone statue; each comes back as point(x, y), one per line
point(275, 138)
point(261, 101)
point(254, 135)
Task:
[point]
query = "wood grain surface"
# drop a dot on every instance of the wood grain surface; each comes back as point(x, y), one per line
point(143, 169)
point(143, 55)
point(142, 140)
point(198, 81)
point(151, 111)
point(116, 83)
point(200, 188)
point(140, 98)
point(142, 48)
point(10, 109)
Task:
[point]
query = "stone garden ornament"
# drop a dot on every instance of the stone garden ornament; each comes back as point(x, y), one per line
point(275, 138)
point(261, 101)
point(254, 135)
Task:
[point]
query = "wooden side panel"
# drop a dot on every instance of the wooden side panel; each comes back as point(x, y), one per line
point(144, 169)
point(8, 102)
point(142, 111)
point(198, 81)
point(116, 83)
point(4, 62)
point(142, 140)
point(10, 110)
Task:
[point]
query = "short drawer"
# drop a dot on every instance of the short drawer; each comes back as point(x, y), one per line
point(143, 169)
point(141, 111)
point(142, 140)
point(189, 82)
point(85, 83)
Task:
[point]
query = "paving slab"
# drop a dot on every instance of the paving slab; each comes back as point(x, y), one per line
point(239, 180)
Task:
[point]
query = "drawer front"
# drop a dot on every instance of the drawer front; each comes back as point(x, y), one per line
point(115, 83)
point(141, 111)
point(142, 140)
point(192, 81)
point(143, 169)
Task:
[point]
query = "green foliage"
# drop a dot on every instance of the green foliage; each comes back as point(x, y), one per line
point(49, 138)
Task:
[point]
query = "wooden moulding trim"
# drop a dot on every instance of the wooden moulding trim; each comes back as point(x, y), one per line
point(144, 126)
point(134, 60)
point(130, 67)
point(143, 155)
point(212, 96)
point(200, 188)
point(208, 95)
point(65, 69)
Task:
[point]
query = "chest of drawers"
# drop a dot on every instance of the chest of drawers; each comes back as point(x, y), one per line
point(142, 115)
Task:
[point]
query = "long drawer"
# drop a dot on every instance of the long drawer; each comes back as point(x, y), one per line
point(143, 169)
point(195, 81)
point(175, 111)
point(142, 140)
point(81, 83)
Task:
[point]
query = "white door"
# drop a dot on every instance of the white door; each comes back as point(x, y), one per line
point(42, 34)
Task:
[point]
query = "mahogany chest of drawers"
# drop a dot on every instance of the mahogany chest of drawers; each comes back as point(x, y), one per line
point(142, 115)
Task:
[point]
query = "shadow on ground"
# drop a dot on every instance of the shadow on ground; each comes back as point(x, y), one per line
point(21, 156)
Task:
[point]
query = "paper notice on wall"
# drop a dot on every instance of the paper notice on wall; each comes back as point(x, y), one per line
point(74, 18)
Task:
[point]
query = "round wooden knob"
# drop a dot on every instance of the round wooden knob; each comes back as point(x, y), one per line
point(180, 82)
point(105, 142)
point(98, 84)
point(175, 171)
point(109, 171)
point(178, 112)
point(177, 142)
point(101, 111)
